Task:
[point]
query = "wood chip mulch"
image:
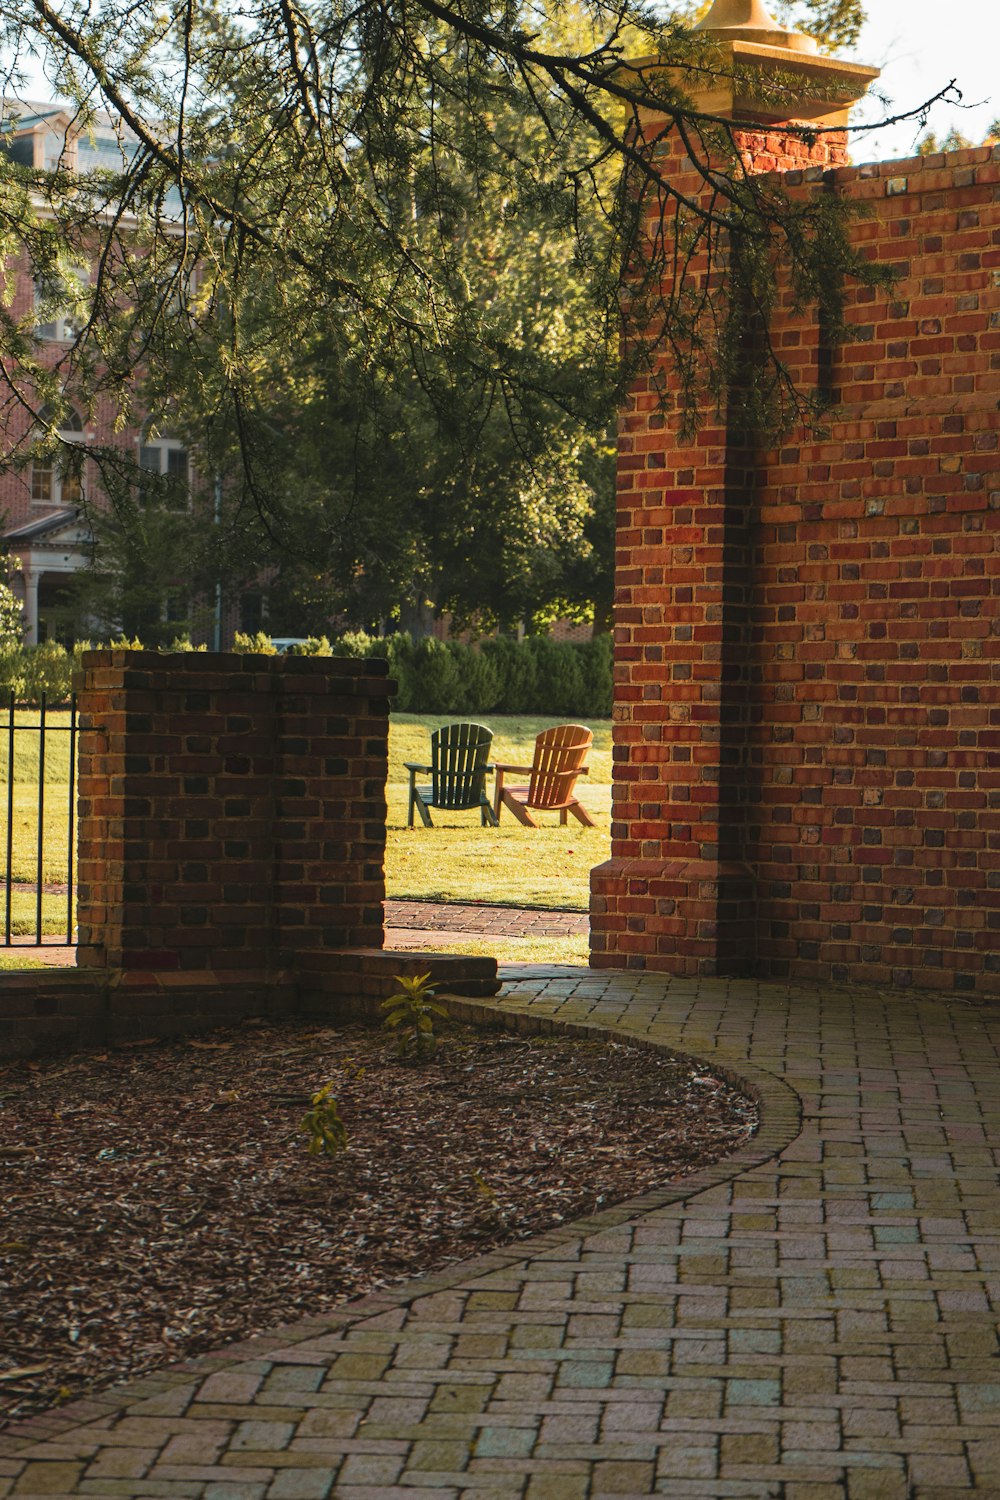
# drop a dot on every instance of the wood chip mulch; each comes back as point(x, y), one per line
point(157, 1201)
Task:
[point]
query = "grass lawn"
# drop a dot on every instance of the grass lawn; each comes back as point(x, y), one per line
point(507, 950)
point(19, 958)
point(23, 809)
point(458, 860)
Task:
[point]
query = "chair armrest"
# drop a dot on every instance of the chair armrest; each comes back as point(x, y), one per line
point(412, 765)
point(520, 770)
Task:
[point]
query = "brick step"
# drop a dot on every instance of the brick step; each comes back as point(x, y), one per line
point(358, 978)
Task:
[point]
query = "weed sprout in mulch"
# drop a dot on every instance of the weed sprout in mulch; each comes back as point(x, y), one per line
point(160, 1200)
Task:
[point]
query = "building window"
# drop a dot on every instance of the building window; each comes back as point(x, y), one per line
point(165, 459)
point(102, 152)
point(57, 478)
point(251, 612)
point(58, 305)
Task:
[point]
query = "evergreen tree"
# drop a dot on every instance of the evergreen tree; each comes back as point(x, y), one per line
point(375, 252)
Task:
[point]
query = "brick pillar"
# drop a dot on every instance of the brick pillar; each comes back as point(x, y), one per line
point(678, 894)
point(232, 811)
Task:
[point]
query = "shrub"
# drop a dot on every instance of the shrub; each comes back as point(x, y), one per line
point(480, 680)
point(558, 673)
point(11, 609)
point(437, 680)
point(499, 675)
point(597, 667)
point(48, 670)
point(353, 643)
point(316, 645)
point(398, 651)
point(260, 644)
point(517, 682)
point(13, 678)
point(30, 671)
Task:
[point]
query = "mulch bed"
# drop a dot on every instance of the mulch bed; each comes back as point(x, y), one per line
point(159, 1200)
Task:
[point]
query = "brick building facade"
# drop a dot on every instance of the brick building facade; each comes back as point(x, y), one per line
point(807, 737)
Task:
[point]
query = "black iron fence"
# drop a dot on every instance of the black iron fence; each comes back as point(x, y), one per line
point(38, 762)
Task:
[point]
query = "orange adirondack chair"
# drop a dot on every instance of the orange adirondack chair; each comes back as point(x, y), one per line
point(558, 761)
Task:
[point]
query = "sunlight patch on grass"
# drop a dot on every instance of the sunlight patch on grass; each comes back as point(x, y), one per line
point(55, 821)
point(531, 950)
point(19, 958)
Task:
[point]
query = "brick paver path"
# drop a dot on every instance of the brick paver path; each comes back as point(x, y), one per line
point(490, 921)
point(815, 1322)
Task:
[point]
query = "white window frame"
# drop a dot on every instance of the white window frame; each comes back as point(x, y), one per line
point(52, 467)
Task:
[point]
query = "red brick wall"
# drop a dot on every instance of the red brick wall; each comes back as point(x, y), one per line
point(232, 810)
point(808, 718)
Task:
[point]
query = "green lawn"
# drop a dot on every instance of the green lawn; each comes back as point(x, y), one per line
point(19, 958)
point(458, 860)
point(22, 812)
point(506, 950)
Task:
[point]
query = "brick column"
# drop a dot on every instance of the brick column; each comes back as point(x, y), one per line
point(678, 893)
point(232, 810)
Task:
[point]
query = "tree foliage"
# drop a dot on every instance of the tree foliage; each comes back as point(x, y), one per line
point(377, 251)
point(929, 144)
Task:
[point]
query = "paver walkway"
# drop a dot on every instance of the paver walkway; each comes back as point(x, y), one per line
point(819, 1325)
point(479, 917)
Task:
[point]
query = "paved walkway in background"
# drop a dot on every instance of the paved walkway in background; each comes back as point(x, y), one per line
point(489, 921)
point(815, 1321)
point(409, 924)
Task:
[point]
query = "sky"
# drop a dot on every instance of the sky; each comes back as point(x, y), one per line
point(921, 45)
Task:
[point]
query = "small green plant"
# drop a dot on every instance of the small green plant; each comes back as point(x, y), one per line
point(412, 1011)
point(483, 1188)
point(322, 1124)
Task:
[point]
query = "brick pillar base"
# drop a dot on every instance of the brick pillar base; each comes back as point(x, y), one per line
point(677, 916)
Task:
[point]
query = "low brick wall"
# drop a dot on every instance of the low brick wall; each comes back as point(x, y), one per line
point(52, 1010)
point(231, 852)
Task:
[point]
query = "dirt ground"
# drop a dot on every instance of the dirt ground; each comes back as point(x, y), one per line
point(159, 1200)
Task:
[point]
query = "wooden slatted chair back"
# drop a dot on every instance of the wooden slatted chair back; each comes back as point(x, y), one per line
point(459, 756)
point(560, 755)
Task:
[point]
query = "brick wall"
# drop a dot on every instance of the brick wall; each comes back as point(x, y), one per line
point(807, 733)
point(232, 810)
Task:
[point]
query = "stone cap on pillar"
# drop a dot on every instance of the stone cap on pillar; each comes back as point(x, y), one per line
point(755, 70)
point(772, 74)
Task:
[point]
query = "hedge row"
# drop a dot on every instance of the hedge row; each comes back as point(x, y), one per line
point(535, 676)
point(31, 671)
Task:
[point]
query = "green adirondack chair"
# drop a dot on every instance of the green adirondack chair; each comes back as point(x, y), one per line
point(458, 772)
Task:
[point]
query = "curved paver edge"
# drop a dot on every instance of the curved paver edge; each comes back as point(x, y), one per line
point(780, 1123)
